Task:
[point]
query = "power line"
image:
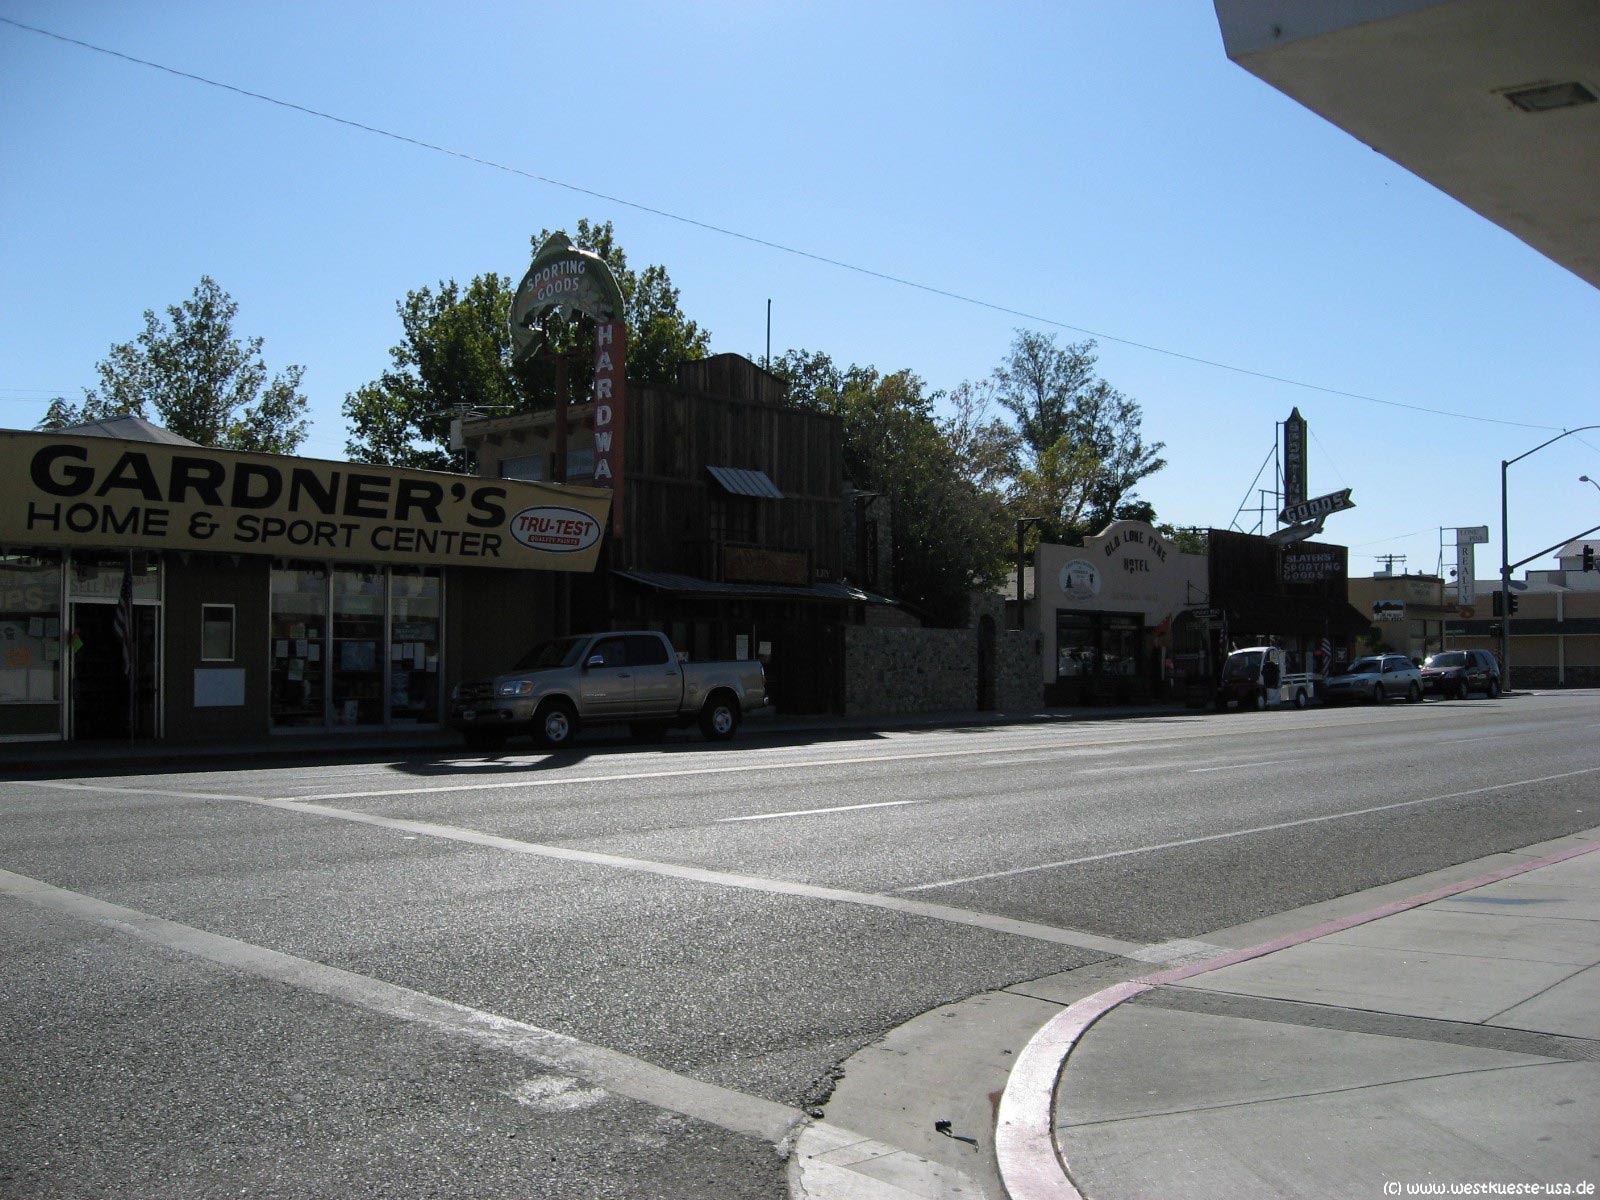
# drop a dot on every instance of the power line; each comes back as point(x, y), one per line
point(759, 241)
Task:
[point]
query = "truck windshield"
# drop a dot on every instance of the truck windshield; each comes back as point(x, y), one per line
point(561, 652)
point(1242, 666)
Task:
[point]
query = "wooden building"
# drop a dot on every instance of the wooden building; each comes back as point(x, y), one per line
point(727, 532)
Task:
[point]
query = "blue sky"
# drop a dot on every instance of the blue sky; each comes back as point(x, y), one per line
point(1102, 167)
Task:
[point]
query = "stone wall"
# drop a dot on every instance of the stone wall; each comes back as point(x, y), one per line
point(936, 670)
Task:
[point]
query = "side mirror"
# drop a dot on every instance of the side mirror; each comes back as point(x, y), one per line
point(595, 660)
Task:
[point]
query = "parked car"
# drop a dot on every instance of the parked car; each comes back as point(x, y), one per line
point(632, 677)
point(1376, 678)
point(1457, 673)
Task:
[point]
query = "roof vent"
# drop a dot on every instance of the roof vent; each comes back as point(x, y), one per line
point(1549, 96)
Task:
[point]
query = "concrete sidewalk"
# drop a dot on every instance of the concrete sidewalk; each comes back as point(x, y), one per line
point(1451, 1042)
point(1435, 1031)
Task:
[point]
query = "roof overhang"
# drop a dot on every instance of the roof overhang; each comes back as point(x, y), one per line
point(1434, 85)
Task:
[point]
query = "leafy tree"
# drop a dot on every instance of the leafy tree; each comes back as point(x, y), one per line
point(456, 350)
point(948, 533)
point(201, 381)
point(60, 414)
point(1080, 450)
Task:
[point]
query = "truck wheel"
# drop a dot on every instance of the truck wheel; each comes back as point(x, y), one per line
point(485, 739)
point(556, 724)
point(1300, 698)
point(1260, 702)
point(720, 717)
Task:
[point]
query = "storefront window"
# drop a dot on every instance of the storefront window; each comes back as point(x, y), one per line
point(30, 642)
point(299, 653)
point(413, 647)
point(355, 646)
point(357, 691)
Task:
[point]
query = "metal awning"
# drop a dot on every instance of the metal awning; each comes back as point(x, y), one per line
point(738, 481)
point(710, 589)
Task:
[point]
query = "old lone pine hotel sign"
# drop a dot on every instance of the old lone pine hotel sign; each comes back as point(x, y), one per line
point(77, 491)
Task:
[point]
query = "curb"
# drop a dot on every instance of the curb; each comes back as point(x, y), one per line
point(1032, 1166)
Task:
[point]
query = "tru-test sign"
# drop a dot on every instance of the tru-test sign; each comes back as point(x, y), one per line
point(103, 492)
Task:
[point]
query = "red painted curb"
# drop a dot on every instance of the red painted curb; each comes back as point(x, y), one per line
point(1032, 1166)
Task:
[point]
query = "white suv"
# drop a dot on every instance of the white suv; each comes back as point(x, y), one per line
point(1377, 678)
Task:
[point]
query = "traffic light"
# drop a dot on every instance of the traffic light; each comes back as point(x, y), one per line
point(1494, 631)
point(1499, 604)
point(1588, 557)
point(1511, 604)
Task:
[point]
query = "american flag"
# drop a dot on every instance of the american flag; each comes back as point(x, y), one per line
point(122, 619)
point(1326, 650)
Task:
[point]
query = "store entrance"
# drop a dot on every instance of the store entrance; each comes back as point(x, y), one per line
point(101, 706)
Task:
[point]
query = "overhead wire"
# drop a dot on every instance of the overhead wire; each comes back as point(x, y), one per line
point(767, 243)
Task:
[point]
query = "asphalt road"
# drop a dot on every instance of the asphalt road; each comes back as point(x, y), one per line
point(626, 972)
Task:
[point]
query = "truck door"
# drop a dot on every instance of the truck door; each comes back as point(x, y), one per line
point(605, 688)
point(657, 678)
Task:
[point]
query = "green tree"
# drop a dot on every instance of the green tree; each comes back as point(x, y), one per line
point(944, 525)
point(456, 351)
point(1081, 448)
point(200, 381)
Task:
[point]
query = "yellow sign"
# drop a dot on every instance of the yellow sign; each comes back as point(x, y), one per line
point(84, 491)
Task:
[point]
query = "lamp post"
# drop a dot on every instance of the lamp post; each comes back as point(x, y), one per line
point(1586, 479)
point(1505, 554)
point(1022, 525)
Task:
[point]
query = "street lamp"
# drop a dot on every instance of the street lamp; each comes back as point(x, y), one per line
point(1505, 554)
point(1022, 525)
point(1586, 479)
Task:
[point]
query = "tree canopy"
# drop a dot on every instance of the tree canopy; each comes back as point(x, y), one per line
point(1080, 451)
point(456, 351)
point(944, 524)
point(198, 379)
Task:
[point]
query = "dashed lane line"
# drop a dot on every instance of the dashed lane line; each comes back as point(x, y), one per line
point(1237, 833)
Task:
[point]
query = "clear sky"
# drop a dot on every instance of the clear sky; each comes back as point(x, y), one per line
point(1102, 167)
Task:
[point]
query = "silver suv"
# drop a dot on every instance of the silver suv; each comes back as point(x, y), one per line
point(1375, 679)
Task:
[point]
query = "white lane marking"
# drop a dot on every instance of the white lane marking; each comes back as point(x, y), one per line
point(1076, 938)
point(1217, 837)
point(1271, 762)
point(618, 1073)
point(813, 812)
point(566, 1062)
point(164, 793)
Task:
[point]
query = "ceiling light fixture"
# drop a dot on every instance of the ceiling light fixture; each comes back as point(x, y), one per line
point(1546, 97)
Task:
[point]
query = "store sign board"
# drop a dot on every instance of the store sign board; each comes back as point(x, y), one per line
point(1308, 564)
point(1467, 537)
point(1294, 460)
point(1317, 507)
point(58, 490)
point(1388, 610)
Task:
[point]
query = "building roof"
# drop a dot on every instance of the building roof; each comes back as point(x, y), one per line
point(1574, 548)
point(128, 429)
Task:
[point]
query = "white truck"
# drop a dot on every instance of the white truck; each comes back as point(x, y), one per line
point(1258, 678)
point(632, 676)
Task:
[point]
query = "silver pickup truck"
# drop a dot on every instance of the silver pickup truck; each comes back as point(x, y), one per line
point(633, 677)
